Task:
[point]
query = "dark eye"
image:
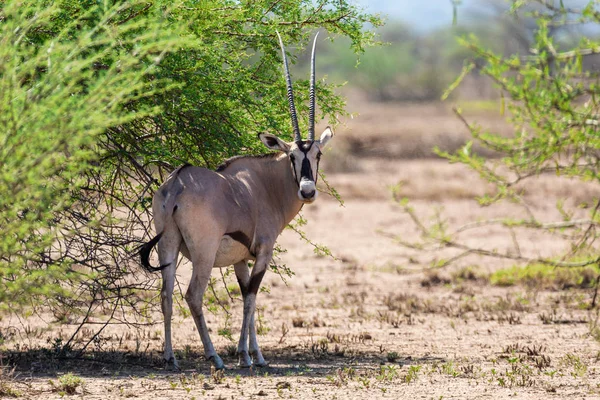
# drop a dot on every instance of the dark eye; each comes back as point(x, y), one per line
point(319, 155)
point(292, 158)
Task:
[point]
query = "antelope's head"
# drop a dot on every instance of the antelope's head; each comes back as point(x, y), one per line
point(304, 155)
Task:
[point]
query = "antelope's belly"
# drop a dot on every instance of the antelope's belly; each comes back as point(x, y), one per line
point(230, 252)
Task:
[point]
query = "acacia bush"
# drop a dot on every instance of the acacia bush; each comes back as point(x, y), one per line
point(551, 100)
point(55, 104)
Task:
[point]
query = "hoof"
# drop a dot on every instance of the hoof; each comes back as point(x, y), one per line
point(216, 362)
point(262, 364)
point(258, 360)
point(244, 360)
point(171, 364)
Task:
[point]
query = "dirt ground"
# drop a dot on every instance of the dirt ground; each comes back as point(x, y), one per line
point(376, 322)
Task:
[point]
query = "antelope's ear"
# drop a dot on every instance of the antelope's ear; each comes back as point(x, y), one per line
point(273, 142)
point(326, 136)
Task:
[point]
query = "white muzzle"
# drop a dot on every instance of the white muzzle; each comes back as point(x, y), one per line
point(307, 191)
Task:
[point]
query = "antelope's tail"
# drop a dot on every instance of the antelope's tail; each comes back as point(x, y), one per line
point(144, 252)
point(173, 188)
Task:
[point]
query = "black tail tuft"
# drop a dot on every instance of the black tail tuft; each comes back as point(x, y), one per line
point(144, 253)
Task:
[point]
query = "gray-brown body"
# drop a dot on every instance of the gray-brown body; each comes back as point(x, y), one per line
point(225, 203)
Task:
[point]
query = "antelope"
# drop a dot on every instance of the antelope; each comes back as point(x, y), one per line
point(231, 216)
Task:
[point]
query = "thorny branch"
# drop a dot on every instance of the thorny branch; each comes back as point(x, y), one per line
point(435, 240)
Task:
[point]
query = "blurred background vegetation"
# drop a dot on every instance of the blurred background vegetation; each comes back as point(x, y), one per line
point(421, 55)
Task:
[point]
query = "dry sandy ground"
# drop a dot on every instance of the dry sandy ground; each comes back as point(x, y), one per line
point(364, 325)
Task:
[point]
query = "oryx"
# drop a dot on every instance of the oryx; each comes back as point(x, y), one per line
point(230, 216)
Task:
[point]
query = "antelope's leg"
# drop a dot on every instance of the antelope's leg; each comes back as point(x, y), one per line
point(248, 327)
point(257, 357)
point(202, 267)
point(243, 276)
point(168, 250)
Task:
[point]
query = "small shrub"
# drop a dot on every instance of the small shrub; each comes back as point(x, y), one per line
point(579, 366)
point(392, 356)
point(67, 383)
point(412, 374)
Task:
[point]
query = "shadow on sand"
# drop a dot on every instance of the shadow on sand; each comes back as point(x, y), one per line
point(121, 364)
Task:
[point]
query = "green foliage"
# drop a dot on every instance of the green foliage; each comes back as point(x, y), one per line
point(67, 384)
point(231, 82)
point(412, 374)
point(414, 65)
point(57, 96)
point(552, 103)
point(579, 367)
point(542, 276)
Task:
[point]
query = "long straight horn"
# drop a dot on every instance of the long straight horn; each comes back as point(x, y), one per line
point(290, 93)
point(311, 109)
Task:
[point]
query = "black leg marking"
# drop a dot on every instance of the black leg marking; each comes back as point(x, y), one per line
point(255, 280)
point(241, 237)
point(243, 288)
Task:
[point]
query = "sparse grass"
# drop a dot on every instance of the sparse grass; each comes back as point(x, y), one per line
point(448, 368)
point(435, 277)
point(574, 362)
point(507, 303)
point(392, 356)
point(412, 374)
point(594, 326)
point(298, 322)
point(409, 303)
point(541, 276)
point(6, 390)
point(67, 384)
point(469, 274)
point(7, 376)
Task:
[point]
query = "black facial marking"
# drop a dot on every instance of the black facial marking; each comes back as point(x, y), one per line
point(305, 146)
point(306, 171)
point(318, 161)
point(255, 280)
point(293, 160)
